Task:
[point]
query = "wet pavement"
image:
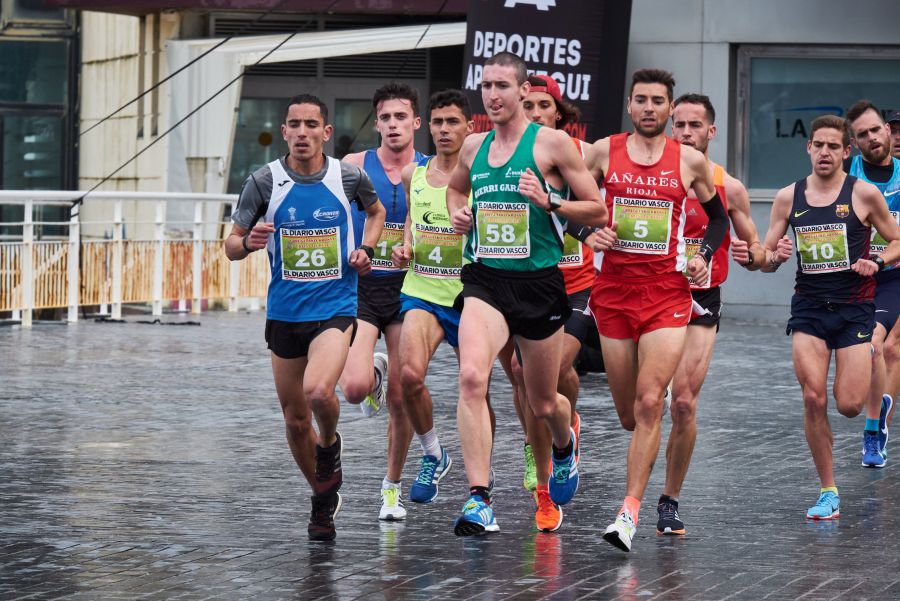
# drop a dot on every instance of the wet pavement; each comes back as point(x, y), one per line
point(147, 461)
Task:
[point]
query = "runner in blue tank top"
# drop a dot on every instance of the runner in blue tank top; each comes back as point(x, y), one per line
point(876, 166)
point(832, 215)
point(299, 209)
point(396, 108)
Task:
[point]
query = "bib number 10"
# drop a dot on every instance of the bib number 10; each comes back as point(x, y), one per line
point(314, 258)
point(495, 232)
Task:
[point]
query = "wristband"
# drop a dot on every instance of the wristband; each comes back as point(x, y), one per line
point(244, 243)
point(706, 252)
point(370, 252)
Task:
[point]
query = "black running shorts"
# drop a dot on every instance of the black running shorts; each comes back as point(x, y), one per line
point(839, 324)
point(291, 340)
point(379, 299)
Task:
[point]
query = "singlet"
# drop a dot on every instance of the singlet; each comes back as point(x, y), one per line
point(695, 229)
point(508, 231)
point(829, 240)
point(577, 262)
point(891, 192)
point(393, 198)
point(647, 204)
point(437, 259)
point(310, 248)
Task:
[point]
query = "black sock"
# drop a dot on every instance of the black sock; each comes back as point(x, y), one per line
point(482, 492)
point(563, 453)
point(664, 498)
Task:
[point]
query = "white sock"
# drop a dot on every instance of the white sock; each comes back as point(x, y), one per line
point(389, 484)
point(430, 444)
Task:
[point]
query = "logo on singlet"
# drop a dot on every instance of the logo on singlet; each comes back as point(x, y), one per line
point(323, 214)
point(842, 210)
point(292, 214)
point(544, 5)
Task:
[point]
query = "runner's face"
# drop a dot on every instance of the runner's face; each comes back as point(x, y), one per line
point(872, 137)
point(650, 108)
point(501, 93)
point(827, 151)
point(305, 131)
point(449, 128)
point(895, 138)
point(540, 107)
point(691, 127)
point(397, 123)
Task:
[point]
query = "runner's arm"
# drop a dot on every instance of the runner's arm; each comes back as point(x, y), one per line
point(778, 247)
point(752, 253)
point(400, 255)
point(703, 187)
point(248, 234)
point(459, 187)
point(587, 206)
point(880, 219)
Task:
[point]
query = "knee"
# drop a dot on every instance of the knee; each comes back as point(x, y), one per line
point(891, 351)
point(684, 410)
point(412, 380)
point(628, 422)
point(297, 424)
point(542, 409)
point(648, 408)
point(356, 390)
point(472, 382)
point(815, 402)
point(851, 409)
point(878, 350)
point(320, 398)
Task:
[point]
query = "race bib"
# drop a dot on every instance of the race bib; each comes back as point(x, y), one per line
point(571, 255)
point(391, 236)
point(503, 230)
point(691, 246)
point(644, 225)
point(879, 244)
point(823, 248)
point(437, 251)
point(310, 254)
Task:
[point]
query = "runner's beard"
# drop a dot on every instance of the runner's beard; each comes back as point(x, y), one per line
point(651, 133)
point(875, 159)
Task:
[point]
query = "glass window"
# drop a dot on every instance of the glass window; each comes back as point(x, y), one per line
point(354, 126)
point(33, 72)
point(787, 93)
point(257, 138)
point(31, 152)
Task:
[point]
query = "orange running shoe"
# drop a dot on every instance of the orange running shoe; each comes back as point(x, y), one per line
point(577, 428)
point(548, 516)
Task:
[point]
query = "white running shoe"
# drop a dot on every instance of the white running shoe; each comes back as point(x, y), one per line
point(620, 532)
point(374, 401)
point(392, 509)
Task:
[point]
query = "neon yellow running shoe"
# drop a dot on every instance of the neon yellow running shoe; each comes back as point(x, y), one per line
point(530, 480)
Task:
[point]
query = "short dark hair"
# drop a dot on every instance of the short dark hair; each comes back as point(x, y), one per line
point(508, 59)
point(859, 107)
point(450, 98)
point(569, 112)
point(654, 76)
point(831, 122)
point(702, 100)
point(307, 99)
point(397, 90)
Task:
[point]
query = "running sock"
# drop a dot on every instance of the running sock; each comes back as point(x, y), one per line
point(386, 483)
point(633, 506)
point(872, 425)
point(430, 444)
point(564, 453)
point(482, 492)
point(829, 489)
point(664, 498)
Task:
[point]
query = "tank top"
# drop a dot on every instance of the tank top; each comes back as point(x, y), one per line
point(891, 192)
point(393, 198)
point(310, 248)
point(437, 259)
point(829, 240)
point(577, 262)
point(647, 203)
point(695, 228)
point(508, 231)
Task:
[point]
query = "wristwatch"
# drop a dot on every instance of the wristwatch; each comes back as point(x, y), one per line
point(555, 201)
point(370, 252)
point(879, 261)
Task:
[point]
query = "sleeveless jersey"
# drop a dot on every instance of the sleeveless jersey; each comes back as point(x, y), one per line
point(508, 231)
point(310, 248)
point(393, 198)
point(647, 204)
point(695, 229)
point(829, 240)
point(891, 192)
point(437, 259)
point(577, 262)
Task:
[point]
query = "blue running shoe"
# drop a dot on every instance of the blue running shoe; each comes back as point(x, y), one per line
point(564, 479)
point(872, 456)
point(425, 488)
point(886, 404)
point(477, 518)
point(828, 507)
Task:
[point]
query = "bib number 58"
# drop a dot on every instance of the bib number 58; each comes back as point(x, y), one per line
point(495, 232)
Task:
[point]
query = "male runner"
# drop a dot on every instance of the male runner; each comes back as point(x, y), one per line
point(893, 120)
point(641, 299)
point(693, 124)
point(876, 166)
point(303, 200)
point(513, 287)
point(396, 119)
point(832, 215)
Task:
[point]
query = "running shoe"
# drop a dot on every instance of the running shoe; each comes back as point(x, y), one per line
point(491, 483)
point(886, 404)
point(321, 519)
point(425, 488)
point(576, 427)
point(329, 475)
point(620, 532)
point(828, 507)
point(872, 456)
point(548, 516)
point(564, 479)
point(374, 401)
point(530, 480)
point(392, 509)
point(669, 521)
point(477, 518)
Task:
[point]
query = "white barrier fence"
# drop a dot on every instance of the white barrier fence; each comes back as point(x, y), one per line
point(70, 272)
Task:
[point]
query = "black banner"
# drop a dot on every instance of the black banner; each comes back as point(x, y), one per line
point(581, 44)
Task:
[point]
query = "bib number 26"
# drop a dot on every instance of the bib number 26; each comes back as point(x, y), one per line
point(314, 258)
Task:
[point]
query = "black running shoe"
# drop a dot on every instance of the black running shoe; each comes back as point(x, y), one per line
point(669, 522)
point(329, 476)
point(321, 520)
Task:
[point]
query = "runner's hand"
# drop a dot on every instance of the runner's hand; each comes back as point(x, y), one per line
point(605, 238)
point(530, 187)
point(401, 255)
point(359, 261)
point(740, 251)
point(591, 241)
point(698, 270)
point(462, 220)
point(258, 237)
point(864, 267)
point(784, 249)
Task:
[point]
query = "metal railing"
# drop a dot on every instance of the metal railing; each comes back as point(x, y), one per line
point(74, 271)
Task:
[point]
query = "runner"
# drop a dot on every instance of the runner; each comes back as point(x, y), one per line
point(893, 120)
point(693, 124)
point(304, 223)
point(396, 119)
point(641, 299)
point(876, 166)
point(832, 215)
point(513, 287)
